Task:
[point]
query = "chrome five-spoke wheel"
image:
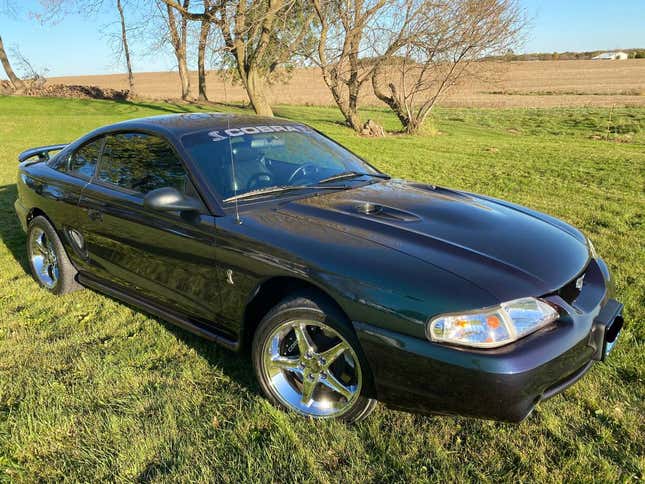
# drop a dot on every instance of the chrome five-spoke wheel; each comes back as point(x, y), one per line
point(48, 260)
point(43, 258)
point(311, 368)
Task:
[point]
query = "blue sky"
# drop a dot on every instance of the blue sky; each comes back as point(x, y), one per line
point(80, 45)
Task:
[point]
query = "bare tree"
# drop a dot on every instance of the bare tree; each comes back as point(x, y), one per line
point(204, 31)
point(126, 48)
point(437, 48)
point(30, 75)
point(341, 27)
point(52, 11)
point(178, 30)
point(15, 81)
point(258, 37)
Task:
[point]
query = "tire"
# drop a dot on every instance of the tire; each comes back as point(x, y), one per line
point(307, 359)
point(48, 260)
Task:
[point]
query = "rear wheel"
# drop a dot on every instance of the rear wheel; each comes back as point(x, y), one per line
point(308, 360)
point(48, 260)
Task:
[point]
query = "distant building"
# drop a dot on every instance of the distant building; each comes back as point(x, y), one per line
point(612, 56)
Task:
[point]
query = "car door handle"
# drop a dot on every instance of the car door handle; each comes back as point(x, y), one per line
point(95, 215)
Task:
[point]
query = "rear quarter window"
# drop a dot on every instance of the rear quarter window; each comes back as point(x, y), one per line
point(82, 162)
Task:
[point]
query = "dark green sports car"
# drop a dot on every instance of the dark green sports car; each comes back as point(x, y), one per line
point(347, 286)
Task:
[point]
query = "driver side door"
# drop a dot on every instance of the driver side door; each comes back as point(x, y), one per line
point(161, 257)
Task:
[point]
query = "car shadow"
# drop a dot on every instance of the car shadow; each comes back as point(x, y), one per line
point(236, 366)
point(11, 232)
point(168, 107)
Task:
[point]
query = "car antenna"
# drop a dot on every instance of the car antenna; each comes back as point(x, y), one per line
point(230, 151)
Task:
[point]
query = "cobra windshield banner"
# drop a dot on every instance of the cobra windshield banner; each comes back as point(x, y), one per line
point(222, 134)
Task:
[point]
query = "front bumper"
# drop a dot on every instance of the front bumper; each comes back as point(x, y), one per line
point(505, 383)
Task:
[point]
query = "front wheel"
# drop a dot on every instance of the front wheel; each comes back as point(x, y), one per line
point(308, 360)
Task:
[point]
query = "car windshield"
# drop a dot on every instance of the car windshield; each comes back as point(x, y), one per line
point(246, 159)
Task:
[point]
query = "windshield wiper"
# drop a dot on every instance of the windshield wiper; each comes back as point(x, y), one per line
point(286, 188)
point(351, 174)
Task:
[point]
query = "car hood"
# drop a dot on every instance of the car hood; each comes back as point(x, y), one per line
point(508, 250)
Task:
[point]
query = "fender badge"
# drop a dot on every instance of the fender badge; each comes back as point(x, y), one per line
point(579, 281)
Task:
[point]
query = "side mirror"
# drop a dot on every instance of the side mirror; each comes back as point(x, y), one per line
point(168, 199)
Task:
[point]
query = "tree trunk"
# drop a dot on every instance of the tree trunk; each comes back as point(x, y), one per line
point(126, 49)
point(178, 39)
point(348, 109)
point(256, 89)
point(350, 113)
point(413, 126)
point(201, 54)
point(393, 101)
point(183, 75)
point(15, 81)
point(183, 66)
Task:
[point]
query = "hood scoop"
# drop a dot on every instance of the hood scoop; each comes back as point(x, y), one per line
point(376, 210)
point(480, 239)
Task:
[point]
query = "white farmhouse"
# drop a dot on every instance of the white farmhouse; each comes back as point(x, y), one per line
point(612, 56)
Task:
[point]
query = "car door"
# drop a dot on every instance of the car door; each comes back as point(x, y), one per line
point(164, 258)
point(59, 190)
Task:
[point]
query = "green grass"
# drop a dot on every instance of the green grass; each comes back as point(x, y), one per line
point(91, 389)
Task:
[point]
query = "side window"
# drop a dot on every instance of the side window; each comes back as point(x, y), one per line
point(83, 161)
point(141, 162)
point(58, 162)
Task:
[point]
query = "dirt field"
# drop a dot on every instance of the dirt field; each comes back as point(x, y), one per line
point(521, 84)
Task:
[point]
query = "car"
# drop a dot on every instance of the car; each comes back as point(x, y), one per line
point(343, 285)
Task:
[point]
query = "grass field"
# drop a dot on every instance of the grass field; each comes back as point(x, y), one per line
point(93, 390)
point(516, 84)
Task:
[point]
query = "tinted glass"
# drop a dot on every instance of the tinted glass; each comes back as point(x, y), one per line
point(141, 163)
point(83, 161)
point(238, 160)
point(58, 162)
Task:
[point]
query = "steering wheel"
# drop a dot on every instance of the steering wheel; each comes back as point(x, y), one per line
point(302, 170)
point(259, 180)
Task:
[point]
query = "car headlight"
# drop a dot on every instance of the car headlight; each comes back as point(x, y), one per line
point(494, 326)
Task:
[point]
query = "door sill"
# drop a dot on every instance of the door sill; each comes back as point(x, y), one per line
point(170, 316)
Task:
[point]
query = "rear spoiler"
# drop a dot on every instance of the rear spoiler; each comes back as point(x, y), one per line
point(42, 152)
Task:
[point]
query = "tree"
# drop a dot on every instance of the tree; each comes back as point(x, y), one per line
point(341, 31)
point(15, 81)
point(178, 30)
point(346, 30)
point(439, 44)
point(204, 31)
point(258, 37)
point(126, 49)
point(56, 10)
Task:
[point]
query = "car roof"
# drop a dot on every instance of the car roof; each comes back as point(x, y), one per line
point(178, 125)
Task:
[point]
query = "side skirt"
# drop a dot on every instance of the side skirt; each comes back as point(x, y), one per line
point(172, 317)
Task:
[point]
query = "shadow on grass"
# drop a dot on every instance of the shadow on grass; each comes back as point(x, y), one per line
point(166, 107)
point(178, 107)
point(236, 366)
point(11, 232)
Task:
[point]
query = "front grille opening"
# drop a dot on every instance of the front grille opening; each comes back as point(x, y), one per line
point(570, 292)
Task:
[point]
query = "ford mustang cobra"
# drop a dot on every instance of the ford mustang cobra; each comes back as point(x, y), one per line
point(346, 286)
